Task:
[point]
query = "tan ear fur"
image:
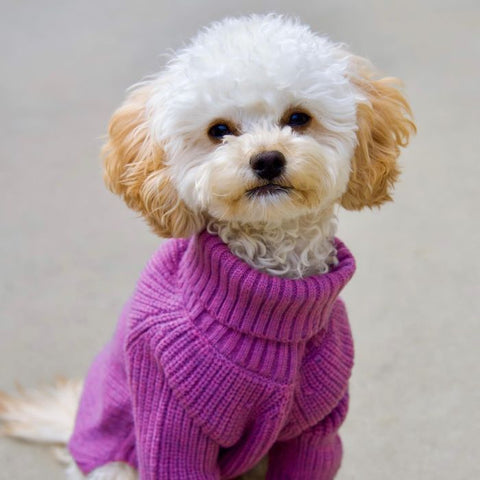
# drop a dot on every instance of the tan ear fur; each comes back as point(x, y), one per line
point(134, 168)
point(384, 125)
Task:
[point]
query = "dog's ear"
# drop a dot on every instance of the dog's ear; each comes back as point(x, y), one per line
point(385, 124)
point(134, 168)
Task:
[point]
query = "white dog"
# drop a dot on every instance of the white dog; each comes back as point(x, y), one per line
point(256, 132)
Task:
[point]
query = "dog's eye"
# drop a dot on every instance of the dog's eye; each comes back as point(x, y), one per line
point(298, 119)
point(219, 130)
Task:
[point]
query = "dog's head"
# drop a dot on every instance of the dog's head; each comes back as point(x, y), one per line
point(259, 119)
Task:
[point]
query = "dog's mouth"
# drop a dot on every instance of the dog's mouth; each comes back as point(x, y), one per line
point(270, 189)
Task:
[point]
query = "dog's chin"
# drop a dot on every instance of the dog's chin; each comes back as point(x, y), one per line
point(269, 202)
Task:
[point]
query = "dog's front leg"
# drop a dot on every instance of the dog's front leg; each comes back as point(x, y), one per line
point(316, 454)
point(169, 445)
point(179, 452)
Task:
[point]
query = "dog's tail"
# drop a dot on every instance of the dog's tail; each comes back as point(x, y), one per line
point(43, 415)
point(47, 415)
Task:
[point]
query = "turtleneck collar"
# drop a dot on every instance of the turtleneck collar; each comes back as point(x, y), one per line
point(244, 299)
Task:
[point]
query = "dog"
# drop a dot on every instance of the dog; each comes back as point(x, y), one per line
point(235, 345)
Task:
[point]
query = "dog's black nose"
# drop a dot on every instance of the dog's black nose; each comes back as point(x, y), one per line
point(268, 165)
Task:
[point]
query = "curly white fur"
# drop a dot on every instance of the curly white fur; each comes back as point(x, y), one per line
point(294, 248)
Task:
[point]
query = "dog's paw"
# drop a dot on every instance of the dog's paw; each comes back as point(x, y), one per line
point(257, 473)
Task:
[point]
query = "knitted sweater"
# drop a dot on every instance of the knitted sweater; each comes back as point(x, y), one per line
point(215, 364)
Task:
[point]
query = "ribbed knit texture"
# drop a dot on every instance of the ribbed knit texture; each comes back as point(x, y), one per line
point(215, 364)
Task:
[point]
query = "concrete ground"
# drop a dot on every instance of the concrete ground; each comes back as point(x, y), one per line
point(71, 252)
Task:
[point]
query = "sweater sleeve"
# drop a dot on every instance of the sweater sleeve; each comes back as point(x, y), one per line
point(314, 455)
point(168, 443)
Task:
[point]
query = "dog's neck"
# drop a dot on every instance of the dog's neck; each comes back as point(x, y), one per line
point(293, 248)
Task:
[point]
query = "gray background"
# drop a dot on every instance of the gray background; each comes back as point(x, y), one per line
point(71, 251)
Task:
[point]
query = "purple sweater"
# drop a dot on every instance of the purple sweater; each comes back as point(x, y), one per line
point(214, 364)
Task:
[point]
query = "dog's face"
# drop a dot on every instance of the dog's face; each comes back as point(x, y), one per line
point(257, 120)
